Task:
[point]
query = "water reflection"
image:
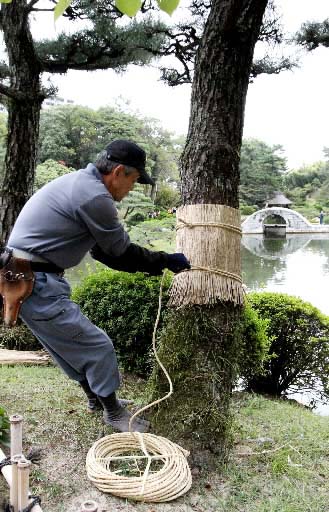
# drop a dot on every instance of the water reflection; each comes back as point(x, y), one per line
point(297, 265)
point(274, 248)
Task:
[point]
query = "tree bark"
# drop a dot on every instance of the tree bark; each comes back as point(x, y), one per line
point(200, 343)
point(24, 106)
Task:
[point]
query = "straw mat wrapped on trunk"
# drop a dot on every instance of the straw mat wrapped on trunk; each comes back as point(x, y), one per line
point(210, 236)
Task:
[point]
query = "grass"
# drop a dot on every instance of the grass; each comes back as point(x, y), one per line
point(280, 461)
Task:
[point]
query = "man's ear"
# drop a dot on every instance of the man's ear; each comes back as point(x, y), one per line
point(118, 169)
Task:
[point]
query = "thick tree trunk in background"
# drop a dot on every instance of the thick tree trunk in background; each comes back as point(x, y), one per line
point(200, 343)
point(23, 115)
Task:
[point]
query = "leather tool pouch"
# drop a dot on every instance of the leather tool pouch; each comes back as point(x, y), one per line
point(16, 284)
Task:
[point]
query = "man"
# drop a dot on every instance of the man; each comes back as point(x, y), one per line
point(61, 222)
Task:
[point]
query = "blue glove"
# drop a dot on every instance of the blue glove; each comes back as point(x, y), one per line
point(177, 262)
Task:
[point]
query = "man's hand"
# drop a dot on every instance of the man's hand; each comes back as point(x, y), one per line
point(177, 262)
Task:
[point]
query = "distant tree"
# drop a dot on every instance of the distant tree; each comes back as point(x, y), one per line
point(69, 133)
point(313, 175)
point(261, 170)
point(313, 34)
point(167, 197)
point(76, 134)
point(162, 148)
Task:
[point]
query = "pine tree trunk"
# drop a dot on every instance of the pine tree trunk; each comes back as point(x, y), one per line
point(23, 114)
point(200, 343)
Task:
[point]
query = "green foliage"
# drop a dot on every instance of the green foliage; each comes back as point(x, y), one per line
point(60, 8)
point(4, 428)
point(48, 171)
point(70, 134)
point(299, 350)
point(156, 234)
point(135, 218)
point(76, 134)
point(247, 209)
point(254, 342)
point(167, 197)
point(129, 7)
point(18, 338)
point(261, 171)
point(125, 306)
point(136, 201)
point(314, 175)
point(102, 43)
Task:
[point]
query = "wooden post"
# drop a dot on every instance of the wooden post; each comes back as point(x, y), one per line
point(13, 500)
point(23, 484)
point(16, 425)
point(8, 472)
point(89, 506)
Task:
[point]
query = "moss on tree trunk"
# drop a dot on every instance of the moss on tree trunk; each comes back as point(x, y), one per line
point(198, 347)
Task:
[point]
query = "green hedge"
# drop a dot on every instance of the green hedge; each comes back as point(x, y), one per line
point(125, 306)
point(18, 338)
point(299, 346)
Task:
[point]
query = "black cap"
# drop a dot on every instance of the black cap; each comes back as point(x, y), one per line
point(128, 153)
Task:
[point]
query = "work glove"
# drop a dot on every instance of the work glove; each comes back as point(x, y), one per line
point(177, 262)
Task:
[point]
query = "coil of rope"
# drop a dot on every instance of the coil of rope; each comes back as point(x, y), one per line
point(171, 480)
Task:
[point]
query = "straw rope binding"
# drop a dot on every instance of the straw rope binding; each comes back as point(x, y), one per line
point(210, 237)
point(162, 484)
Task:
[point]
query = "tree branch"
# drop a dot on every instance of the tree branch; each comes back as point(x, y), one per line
point(11, 93)
point(31, 4)
point(41, 10)
point(14, 94)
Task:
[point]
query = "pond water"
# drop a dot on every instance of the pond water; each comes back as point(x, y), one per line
point(297, 265)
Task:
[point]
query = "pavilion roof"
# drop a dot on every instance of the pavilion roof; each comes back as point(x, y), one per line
point(278, 199)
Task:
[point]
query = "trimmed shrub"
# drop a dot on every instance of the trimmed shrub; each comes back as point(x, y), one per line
point(18, 338)
point(299, 350)
point(247, 209)
point(125, 307)
point(254, 343)
point(136, 217)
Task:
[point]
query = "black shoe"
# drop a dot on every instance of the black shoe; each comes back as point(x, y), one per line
point(93, 404)
point(119, 417)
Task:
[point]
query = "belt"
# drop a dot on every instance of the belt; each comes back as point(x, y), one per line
point(38, 264)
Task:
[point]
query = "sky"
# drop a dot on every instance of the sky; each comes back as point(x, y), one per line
point(290, 109)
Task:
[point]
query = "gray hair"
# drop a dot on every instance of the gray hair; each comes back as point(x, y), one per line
point(106, 166)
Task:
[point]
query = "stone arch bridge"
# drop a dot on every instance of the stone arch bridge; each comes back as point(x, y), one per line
point(294, 221)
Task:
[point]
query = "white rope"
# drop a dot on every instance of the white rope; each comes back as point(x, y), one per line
point(181, 223)
point(165, 484)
